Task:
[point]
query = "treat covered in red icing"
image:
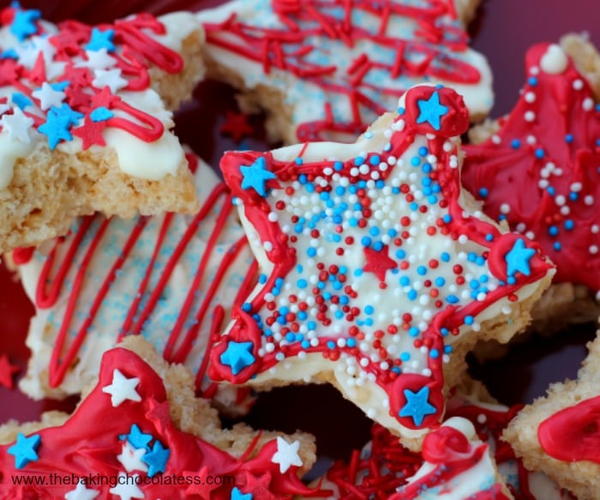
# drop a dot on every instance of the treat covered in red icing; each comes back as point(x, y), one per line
point(541, 170)
point(123, 436)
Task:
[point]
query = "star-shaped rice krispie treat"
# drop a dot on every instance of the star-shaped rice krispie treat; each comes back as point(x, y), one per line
point(378, 272)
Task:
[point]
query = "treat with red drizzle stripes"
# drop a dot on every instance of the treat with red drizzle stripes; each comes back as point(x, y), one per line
point(327, 69)
point(85, 119)
point(141, 433)
point(170, 278)
point(559, 434)
point(539, 170)
point(377, 272)
point(384, 465)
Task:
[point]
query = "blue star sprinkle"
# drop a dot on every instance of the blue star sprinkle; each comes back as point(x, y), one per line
point(431, 111)
point(101, 40)
point(417, 405)
point(518, 258)
point(58, 124)
point(101, 114)
point(137, 438)
point(23, 25)
point(256, 176)
point(25, 449)
point(156, 459)
point(236, 494)
point(56, 128)
point(238, 356)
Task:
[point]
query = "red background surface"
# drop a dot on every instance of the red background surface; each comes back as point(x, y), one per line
point(502, 30)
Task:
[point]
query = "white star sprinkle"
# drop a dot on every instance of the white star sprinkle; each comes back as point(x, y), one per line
point(49, 97)
point(97, 59)
point(286, 455)
point(131, 458)
point(122, 388)
point(81, 493)
point(4, 108)
point(110, 78)
point(29, 51)
point(17, 125)
point(128, 489)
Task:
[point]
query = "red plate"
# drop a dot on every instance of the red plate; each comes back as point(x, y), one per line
point(503, 30)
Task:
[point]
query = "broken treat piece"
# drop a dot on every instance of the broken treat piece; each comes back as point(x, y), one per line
point(171, 279)
point(558, 434)
point(384, 466)
point(326, 70)
point(141, 433)
point(538, 168)
point(85, 121)
point(378, 272)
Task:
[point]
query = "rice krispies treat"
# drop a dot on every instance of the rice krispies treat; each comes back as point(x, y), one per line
point(170, 278)
point(558, 434)
point(327, 70)
point(142, 418)
point(86, 123)
point(502, 169)
point(369, 254)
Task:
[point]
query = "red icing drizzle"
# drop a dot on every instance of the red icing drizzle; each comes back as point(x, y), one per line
point(566, 128)
point(431, 54)
point(283, 257)
point(135, 54)
point(452, 454)
point(89, 443)
point(51, 283)
point(573, 434)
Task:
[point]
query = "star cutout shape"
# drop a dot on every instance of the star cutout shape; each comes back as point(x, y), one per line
point(24, 23)
point(417, 405)
point(81, 492)
point(372, 271)
point(110, 78)
point(131, 458)
point(256, 176)
point(539, 170)
point(238, 355)
point(101, 40)
point(236, 125)
point(122, 389)
point(156, 459)
point(49, 96)
point(25, 449)
point(7, 372)
point(90, 133)
point(287, 454)
point(56, 128)
point(518, 258)
point(18, 125)
point(97, 60)
point(137, 438)
point(128, 489)
point(431, 111)
point(237, 494)
point(378, 262)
